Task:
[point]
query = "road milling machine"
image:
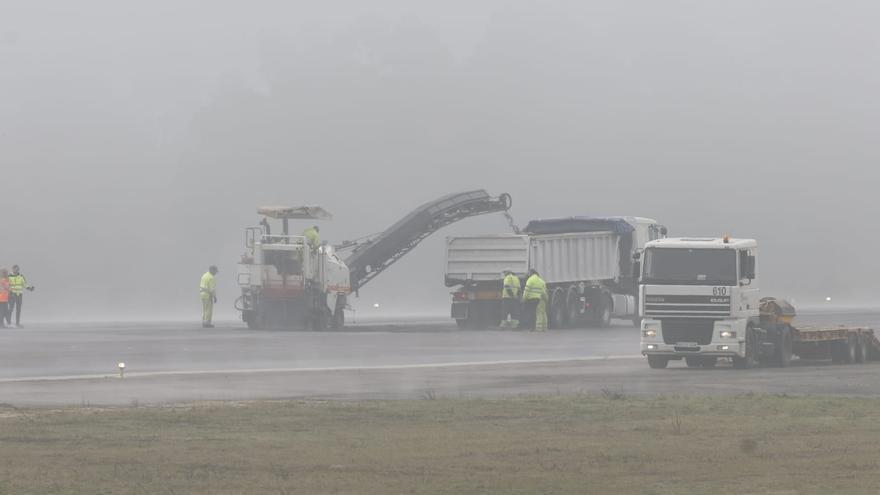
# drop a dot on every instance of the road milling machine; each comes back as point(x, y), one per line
point(286, 282)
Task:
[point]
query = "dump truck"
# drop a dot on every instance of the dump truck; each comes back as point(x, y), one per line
point(287, 282)
point(587, 263)
point(701, 302)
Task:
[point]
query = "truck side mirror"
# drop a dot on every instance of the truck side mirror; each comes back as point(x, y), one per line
point(748, 268)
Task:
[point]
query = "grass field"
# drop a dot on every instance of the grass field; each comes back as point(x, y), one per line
point(585, 444)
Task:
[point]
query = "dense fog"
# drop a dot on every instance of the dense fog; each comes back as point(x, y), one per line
point(138, 139)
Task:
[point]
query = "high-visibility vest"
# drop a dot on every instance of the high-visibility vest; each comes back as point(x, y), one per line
point(208, 285)
point(511, 287)
point(312, 237)
point(536, 288)
point(17, 284)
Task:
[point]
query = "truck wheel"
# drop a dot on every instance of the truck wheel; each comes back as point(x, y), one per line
point(573, 307)
point(603, 312)
point(657, 362)
point(782, 356)
point(557, 309)
point(750, 360)
point(844, 351)
point(852, 345)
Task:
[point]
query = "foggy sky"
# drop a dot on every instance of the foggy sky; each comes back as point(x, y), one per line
point(138, 138)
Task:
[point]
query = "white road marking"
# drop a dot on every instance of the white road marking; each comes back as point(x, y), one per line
point(146, 374)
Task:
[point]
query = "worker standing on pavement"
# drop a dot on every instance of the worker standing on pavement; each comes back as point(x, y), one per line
point(17, 285)
point(510, 300)
point(535, 298)
point(313, 238)
point(208, 292)
point(4, 297)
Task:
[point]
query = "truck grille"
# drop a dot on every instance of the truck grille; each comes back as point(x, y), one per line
point(688, 330)
point(687, 306)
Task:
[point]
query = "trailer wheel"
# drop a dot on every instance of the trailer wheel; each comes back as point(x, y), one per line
point(844, 351)
point(852, 345)
point(782, 357)
point(657, 362)
point(861, 350)
point(750, 360)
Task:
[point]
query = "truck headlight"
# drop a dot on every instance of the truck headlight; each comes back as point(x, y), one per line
point(727, 334)
point(649, 333)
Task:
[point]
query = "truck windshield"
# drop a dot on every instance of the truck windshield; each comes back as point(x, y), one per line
point(690, 266)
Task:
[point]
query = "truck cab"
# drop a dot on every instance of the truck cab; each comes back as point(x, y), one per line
point(700, 301)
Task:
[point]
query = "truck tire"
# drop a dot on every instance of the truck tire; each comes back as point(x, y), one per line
point(782, 355)
point(852, 345)
point(657, 362)
point(573, 307)
point(751, 358)
point(603, 312)
point(557, 309)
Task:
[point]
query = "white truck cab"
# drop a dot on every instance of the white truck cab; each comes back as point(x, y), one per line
point(699, 299)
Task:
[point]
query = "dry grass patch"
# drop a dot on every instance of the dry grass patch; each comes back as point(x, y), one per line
point(586, 444)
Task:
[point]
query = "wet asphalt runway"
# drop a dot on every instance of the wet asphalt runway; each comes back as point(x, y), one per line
point(55, 364)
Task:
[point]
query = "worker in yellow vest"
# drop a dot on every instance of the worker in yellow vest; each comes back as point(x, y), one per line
point(17, 285)
point(535, 299)
point(313, 238)
point(208, 293)
point(510, 300)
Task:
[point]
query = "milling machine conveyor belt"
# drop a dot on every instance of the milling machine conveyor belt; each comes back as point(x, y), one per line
point(375, 255)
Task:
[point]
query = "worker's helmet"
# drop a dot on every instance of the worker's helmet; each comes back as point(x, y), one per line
point(213, 269)
point(532, 271)
point(507, 270)
point(316, 228)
